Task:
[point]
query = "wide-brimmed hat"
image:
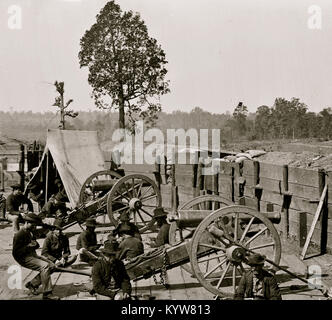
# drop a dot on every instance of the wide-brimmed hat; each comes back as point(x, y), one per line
point(110, 248)
point(32, 218)
point(124, 217)
point(91, 222)
point(256, 259)
point(126, 229)
point(159, 212)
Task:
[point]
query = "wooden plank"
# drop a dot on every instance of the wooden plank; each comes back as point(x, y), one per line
point(183, 180)
point(303, 176)
point(249, 191)
point(270, 184)
point(270, 171)
point(248, 167)
point(302, 204)
point(312, 228)
point(225, 185)
point(250, 181)
point(186, 169)
point(272, 197)
point(303, 191)
point(225, 168)
point(138, 168)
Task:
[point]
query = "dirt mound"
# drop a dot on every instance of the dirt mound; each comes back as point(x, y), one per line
point(307, 160)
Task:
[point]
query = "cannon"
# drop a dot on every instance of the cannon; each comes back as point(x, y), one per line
point(109, 193)
point(212, 244)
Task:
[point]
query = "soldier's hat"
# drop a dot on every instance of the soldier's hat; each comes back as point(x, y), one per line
point(32, 218)
point(125, 229)
point(159, 212)
point(91, 222)
point(256, 259)
point(110, 248)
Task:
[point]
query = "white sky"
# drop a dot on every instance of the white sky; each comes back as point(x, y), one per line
point(219, 52)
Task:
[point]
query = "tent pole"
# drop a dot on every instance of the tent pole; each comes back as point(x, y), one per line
point(46, 187)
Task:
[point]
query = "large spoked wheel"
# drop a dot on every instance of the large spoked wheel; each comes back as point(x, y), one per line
point(221, 243)
point(136, 194)
point(97, 185)
point(180, 233)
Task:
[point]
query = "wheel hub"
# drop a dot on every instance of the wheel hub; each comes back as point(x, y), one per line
point(235, 253)
point(135, 203)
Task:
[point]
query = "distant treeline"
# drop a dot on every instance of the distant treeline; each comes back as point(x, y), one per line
point(284, 120)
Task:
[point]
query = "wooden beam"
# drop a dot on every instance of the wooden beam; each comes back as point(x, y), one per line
point(314, 222)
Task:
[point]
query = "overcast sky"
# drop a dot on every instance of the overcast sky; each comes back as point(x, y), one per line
point(219, 52)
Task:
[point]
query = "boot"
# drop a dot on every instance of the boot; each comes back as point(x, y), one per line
point(50, 296)
point(33, 290)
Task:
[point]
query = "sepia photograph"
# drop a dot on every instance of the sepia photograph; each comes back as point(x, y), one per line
point(158, 150)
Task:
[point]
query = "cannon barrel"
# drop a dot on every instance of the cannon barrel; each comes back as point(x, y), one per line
point(192, 218)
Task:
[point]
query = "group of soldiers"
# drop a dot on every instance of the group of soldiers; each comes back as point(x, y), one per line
point(109, 276)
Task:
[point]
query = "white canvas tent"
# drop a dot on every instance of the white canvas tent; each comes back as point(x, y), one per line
point(76, 155)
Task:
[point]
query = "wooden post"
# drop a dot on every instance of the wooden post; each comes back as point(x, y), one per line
point(21, 166)
point(285, 206)
point(233, 186)
point(46, 181)
point(200, 177)
point(157, 172)
point(2, 175)
point(258, 191)
point(324, 214)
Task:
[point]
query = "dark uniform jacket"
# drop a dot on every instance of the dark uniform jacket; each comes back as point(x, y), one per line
point(162, 237)
point(55, 247)
point(270, 288)
point(130, 248)
point(50, 209)
point(22, 245)
point(14, 201)
point(87, 240)
point(103, 272)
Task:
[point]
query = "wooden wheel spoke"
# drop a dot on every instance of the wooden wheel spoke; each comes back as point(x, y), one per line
point(120, 209)
point(146, 191)
point(236, 225)
point(211, 258)
point(247, 229)
point(256, 235)
point(223, 275)
point(234, 278)
point(262, 246)
point(139, 189)
point(146, 212)
point(134, 193)
point(137, 211)
point(215, 267)
point(149, 197)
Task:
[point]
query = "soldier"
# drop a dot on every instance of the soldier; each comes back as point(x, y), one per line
point(109, 275)
point(13, 203)
point(87, 243)
point(56, 246)
point(125, 220)
point(257, 284)
point(129, 247)
point(55, 207)
point(24, 252)
point(2, 206)
point(162, 238)
point(61, 192)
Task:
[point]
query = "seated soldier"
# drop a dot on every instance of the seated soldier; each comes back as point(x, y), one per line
point(56, 246)
point(36, 195)
point(124, 219)
point(163, 234)
point(87, 243)
point(109, 275)
point(55, 207)
point(257, 284)
point(24, 252)
point(129, 247)
point(13, 203)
